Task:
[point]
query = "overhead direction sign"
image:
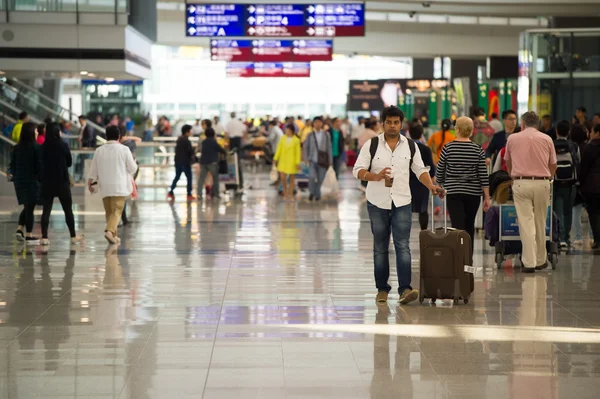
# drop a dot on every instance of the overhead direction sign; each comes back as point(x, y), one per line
point(271, 50)
point(268, 69)
point(275, 20)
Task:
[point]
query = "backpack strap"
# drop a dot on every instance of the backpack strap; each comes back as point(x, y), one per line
point(373, 150)
point(413, 149)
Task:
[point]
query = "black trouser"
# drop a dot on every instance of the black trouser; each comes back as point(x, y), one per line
point(463, 211)
point(424, 220)
point(593, 208)
point(66, 201)
point(26, 217)
point(236, 143)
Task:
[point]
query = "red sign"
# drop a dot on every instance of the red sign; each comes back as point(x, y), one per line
point(268, 70)
point(270, 50)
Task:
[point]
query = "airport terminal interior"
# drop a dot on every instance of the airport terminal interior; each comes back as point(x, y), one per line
point(263, 275)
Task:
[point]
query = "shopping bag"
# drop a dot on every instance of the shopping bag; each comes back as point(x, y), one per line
point(134, 193)
point(274, 175)
point(330, 183)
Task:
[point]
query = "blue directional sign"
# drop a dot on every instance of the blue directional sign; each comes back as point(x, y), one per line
point(275, 20)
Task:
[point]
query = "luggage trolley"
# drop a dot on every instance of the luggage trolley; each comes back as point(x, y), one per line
point(509, 242)
point(229, 174)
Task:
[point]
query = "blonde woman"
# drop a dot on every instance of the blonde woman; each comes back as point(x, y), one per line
point(462, 172)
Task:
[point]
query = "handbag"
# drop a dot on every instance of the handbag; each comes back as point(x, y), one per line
point(322, 156)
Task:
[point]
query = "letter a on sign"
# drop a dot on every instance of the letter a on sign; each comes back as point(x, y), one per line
point(221, 32)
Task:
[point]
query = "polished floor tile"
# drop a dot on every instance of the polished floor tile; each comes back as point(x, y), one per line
point(255, 298)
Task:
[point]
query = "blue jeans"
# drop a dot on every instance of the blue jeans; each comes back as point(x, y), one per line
point(577, 228)
point(316, 177)
point(187, 170)
point(396, 222)
point(337, 164)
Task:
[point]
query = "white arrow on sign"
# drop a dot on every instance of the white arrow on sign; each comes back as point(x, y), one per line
point(251, 9)
point(214, 42)
point(192, 31)
point(252, 20)
point(192, 9)
point(191, 20)
point(311, 9)
point(234, 44)
point(311, 20)
point(251, 31)
point(255, 42)
point(310, 31)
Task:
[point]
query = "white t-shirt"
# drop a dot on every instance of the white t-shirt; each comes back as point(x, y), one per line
point(219, 128)
point(235, 128)
point(113, 168)
point(197, 130)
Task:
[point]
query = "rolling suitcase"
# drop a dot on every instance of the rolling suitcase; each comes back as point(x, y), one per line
point(445, 254)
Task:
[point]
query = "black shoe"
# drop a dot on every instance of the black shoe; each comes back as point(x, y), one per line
point(20, 235)
point(318, 199)
point(311, 198)
point(528, 270)
point(542, 267)
point(596, 245)
point(32, 240)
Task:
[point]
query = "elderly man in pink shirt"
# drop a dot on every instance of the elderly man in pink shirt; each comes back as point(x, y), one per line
point(531, 162)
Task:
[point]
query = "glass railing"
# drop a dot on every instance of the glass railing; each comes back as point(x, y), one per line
point(24, 98)
point(6, 146)
point(105, 6)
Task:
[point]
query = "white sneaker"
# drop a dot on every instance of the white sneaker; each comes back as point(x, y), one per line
point(77, 239)
point(577, 243)
point(44, 242)
point(564, 245)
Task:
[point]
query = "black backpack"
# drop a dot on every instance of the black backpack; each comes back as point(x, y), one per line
point(567, 162)
point(375, 144)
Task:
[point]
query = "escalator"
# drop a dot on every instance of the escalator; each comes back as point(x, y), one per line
point(40, 107)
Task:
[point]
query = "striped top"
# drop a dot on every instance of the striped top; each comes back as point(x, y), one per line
point(462, 169)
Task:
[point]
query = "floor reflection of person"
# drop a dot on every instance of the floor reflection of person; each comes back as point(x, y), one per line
point(533, 361)
point(385, 384)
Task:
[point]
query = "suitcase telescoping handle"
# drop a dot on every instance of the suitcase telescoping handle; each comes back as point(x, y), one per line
point(445, 211)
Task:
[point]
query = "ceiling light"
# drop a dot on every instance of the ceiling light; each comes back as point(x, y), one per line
point(83, 73)
point(110, 79)
point(92, 75)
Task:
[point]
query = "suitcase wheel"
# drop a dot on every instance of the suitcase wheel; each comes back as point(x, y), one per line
point(466, 300)
point(421, 299)
point(455, 300)
point(432, 300)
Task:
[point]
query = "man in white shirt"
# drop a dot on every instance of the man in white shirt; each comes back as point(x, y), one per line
point(236, 130)
point(112, 169)
point(218, 126)
point(389, 202)
point(495, 123)
point(197, 129)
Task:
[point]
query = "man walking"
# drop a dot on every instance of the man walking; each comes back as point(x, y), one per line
point(567, 172)
point(531, 162)
point(112, 168)
point(389, 201)
point(317, 151)
point(184, 156)
point(509, 119)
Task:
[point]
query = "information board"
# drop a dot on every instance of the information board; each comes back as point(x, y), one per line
point(275, 20)
point(268, 70)
point(266, 50)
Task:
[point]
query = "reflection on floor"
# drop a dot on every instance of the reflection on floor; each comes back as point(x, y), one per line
point(254, 298)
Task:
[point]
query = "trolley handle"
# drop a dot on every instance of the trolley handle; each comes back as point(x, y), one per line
point(445, 202)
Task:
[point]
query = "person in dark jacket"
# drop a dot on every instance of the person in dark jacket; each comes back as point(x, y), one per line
point(184, 157)
point(209, 162)
point(589, 178)
point(337, 145)
point(420, 193)
point(56, 160)
point(579, 136)
point(509, 119)
point(26, 168)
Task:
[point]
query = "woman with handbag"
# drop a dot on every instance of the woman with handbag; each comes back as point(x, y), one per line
point(56, 181)
point(25, 169)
